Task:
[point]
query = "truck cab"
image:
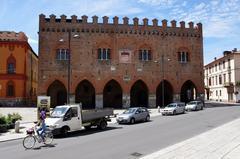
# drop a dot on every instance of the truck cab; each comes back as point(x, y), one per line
point(65, 118)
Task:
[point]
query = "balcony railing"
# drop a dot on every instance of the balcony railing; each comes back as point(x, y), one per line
point(228, 84)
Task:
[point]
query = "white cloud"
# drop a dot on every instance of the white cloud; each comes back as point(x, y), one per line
point(219, 18)
point(158, 2)
point(32, 41)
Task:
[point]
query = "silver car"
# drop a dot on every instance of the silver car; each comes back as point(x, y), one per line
point(173, 109)
point(132, 115)
point(194, 105)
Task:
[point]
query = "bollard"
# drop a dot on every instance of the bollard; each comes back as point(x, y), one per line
point(17, 126)
point(158, 109)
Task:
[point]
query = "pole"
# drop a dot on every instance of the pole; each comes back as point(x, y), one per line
point(163, 81)
point(69, 69)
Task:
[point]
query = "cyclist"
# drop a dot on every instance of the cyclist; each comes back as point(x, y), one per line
point(42, 124)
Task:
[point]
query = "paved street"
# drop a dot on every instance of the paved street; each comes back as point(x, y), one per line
point(123, 141)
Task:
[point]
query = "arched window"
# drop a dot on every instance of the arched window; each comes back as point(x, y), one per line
point(104, 54)
point(183, 55)
point(11, 65)
point(145, 55)
point(10, 89)
point(62, 54)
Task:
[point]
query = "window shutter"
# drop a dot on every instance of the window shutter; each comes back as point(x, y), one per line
point(187, 56)
point(179, 56)
point(149, 55)
point(99, 53)
point(140, 54)
point(109, 54)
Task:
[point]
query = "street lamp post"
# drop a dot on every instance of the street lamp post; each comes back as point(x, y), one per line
point(69, 67)
point(69, 64)
point(163, 78)
point(163, 81)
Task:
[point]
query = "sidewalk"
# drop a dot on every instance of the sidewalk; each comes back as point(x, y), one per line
point(220, 143)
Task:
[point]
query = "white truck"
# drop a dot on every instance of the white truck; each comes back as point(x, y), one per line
point(67, 118)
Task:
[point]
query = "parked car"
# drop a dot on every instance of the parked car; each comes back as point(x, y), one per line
point(173, 109)
point(194, 105)
point(132, 115)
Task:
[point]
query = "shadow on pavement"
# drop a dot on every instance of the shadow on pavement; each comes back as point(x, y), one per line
point(43, 146)
point(86, 132)
point(216, 105)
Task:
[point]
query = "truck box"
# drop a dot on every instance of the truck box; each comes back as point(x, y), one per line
point(92, 114)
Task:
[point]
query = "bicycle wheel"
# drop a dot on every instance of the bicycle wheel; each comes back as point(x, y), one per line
point(29, 142)
point(48, 136)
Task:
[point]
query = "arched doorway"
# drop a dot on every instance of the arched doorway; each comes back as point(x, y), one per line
point(85, 93)
point(164, 93)
point(139, 94)
point(58, 93)
point(188, 91)
point(112, 95)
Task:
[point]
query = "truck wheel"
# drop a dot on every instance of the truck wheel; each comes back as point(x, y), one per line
point(64, 131)
point(102, 125)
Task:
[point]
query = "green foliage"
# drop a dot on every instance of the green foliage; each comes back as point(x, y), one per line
point(11, 118)
point(238, 83)
point(3, 120)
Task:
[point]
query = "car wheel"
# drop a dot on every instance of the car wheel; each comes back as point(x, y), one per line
point(174, 112)
point(132, 121)
point(201, 107)
point(147, 118)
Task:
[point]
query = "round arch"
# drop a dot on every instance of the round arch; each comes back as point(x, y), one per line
point(85, 94)
point(112, 94)
point(58, 93)
point(164, 94)
point(188, 91)
point(139, 94)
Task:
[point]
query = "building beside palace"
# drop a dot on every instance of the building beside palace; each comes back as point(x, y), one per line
point(222, 78)
point(114, 64)
point(18, 70)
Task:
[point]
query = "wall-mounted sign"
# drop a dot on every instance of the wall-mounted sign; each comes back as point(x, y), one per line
point(125, 56)
point(126, 78)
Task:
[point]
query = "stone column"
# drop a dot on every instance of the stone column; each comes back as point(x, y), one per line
point(176, 97)
point(126, 100)
point(99, 101)
point(152, 101)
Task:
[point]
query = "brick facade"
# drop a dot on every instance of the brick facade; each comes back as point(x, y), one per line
point(119, 64)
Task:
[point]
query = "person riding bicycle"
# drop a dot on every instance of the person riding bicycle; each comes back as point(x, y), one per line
point(41, 130)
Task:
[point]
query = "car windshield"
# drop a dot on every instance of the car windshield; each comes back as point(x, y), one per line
point(192, 102)
point(171, 105)
point(59, 112)
point(129, 111)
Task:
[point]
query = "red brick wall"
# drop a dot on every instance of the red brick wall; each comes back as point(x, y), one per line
point(84, 64)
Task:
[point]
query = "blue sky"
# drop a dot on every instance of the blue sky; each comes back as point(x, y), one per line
point(220, 18)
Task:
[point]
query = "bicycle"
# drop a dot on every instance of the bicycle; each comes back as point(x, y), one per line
point(32, 136)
